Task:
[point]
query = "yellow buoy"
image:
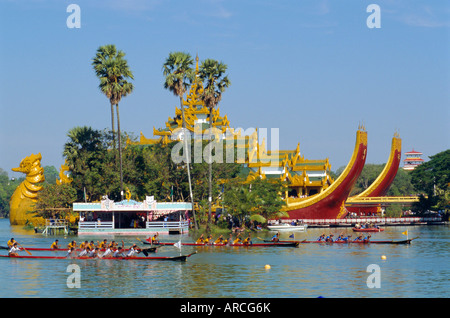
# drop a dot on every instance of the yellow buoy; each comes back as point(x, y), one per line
point(267, 266)
point(383, 257)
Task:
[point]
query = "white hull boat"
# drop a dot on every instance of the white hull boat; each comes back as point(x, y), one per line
point(287, 227)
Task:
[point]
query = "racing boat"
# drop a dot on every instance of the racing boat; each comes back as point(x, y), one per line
point(265, 244)
point(356, 242)
point(181, 258)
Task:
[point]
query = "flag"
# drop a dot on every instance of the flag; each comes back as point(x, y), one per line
point(291, 236)
point(405, 233)
point(178, 244)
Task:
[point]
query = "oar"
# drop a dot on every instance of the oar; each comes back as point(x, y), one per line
point(28, 252)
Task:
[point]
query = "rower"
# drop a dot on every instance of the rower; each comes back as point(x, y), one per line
point(14, 250)
point(329, 238)
point(71, 253)
point(108, 253)
point(341, 238)
point(367, 238)
point(238, 239)
point(219, 240)
point(359, 238)
point(118, 252)
point(248, 240)
point(94, 253)
point(321, 238)
point(103, 244)
point(84, 244)
point(85, 252)
point(155, 238)
point(208, 239)
point(229, 240)
point(276, 237)
point(55, 245)
point(133, 250)
point(11, 242)
point(200, 240)
point(72, 244)
point(112, 245)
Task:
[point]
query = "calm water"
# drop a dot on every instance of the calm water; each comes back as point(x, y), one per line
point(312, 270)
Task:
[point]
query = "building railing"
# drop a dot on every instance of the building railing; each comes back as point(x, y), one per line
point(167, 224)
point(86, 225)
point(56, 223)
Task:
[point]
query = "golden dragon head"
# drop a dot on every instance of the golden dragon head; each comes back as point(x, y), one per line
point(31, 166)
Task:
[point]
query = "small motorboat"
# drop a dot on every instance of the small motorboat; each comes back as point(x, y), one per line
point(370, 229)
point(287, 227)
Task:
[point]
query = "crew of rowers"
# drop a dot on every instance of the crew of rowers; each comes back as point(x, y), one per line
point(343, 238)
point(224, 241)
point(87, 249)
point(101, 250)
point(366, 225)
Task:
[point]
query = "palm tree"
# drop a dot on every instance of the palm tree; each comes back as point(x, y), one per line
point(212, 73)
point(179, 75)
point(113, 71)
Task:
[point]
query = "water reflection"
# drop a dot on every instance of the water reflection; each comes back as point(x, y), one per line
point(311, 270)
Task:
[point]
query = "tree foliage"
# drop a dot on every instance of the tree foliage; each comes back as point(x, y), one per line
point(55, 201)
point(260, 198)
point(432, 178)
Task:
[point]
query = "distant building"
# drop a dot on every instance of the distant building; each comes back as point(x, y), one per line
point(412, 160)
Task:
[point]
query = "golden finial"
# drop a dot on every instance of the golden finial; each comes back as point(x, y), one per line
point(196, 61)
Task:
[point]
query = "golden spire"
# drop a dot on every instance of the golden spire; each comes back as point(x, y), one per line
point(196, 66)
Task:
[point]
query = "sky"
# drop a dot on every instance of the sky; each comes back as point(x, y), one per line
point(313, 69)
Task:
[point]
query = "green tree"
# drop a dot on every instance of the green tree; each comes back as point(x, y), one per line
point(91, 164)
point(212, 73)
point(51, 174)
point(113, 71)
point(55, 201)
point(179, 75)
point(259, 200)
point(432, 178)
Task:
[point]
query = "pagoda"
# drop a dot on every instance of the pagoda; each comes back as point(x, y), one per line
point(412, 160)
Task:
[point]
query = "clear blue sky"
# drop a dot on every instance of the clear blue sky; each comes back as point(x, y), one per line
point(313, 69)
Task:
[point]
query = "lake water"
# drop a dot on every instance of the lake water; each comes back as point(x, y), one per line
point(309, 271)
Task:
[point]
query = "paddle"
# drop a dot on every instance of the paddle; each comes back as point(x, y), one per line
point(28, 252)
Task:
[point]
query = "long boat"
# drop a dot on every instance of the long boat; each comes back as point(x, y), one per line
point(181, 258)
point(44, 249)
point(408, 241)
point(266, 244)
